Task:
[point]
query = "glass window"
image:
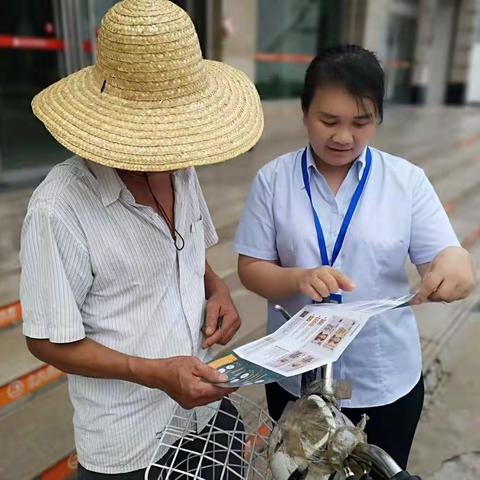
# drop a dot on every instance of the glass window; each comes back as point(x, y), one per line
point(34, 54)
point(400, 54)
point(41, 41)
point(289, 35)
point(30, 60)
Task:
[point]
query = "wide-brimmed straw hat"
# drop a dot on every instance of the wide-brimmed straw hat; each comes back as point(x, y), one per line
point(151, 102)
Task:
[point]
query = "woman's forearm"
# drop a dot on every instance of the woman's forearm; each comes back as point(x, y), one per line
point(267, 279)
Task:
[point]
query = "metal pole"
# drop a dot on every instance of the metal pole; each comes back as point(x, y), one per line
point(59, 33)
point(69, 67)
point(92, 27)
point(209, 18)
point(326, 374)
point(78, 17)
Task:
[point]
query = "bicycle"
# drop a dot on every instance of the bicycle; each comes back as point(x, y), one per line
point(363, 458)
point(254, 447)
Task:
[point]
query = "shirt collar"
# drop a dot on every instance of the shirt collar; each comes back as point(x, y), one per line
point(359, 163)
point(109, 183)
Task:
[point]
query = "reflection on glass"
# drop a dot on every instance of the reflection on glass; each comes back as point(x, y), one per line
point(400, 54)
point(24, 71)
point(289, 36)
point(33, 55)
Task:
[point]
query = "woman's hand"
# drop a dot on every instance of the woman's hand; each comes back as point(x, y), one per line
point(319, 283)
point(448, 277)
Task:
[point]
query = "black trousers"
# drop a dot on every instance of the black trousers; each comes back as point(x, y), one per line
point(391, 427)
point(221, 451)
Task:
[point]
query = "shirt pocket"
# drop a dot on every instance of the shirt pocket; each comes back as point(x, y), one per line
point(197, 250)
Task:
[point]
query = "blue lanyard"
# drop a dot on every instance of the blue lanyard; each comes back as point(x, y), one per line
point(348, 217)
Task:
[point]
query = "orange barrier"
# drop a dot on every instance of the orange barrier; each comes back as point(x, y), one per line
point(31, 43)
point(470, 140)
point(10, 314)
point(397, 64)
point(471, 238)
point(62, 470)
point(20, 42)
point(449, 207)
point(27, 384)
point(283, 57)
point(280, 57)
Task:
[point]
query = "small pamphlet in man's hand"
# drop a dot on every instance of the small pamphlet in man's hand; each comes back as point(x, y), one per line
point(318, 334)
point(242, 373)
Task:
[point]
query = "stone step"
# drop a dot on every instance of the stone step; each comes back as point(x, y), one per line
point(15, 359)
point(36, 434)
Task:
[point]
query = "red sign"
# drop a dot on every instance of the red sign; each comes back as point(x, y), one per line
point(31, 43)
point(62, 470)
point(283, 57)
point(28, 384)
point(37, 43)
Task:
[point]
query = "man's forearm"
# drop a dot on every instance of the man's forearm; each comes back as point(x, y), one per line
point(186, 379)
point(87, 358)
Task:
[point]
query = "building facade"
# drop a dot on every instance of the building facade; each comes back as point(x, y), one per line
point(430, 50)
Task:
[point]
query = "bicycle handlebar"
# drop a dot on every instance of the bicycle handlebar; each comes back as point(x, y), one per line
point(382, 462)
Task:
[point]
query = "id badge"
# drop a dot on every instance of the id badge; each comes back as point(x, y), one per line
point(333, 298)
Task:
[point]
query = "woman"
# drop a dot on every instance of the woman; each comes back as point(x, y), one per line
point(336, 221)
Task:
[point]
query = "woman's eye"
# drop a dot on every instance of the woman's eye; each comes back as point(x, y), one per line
point(328, 124)
point(360, 125)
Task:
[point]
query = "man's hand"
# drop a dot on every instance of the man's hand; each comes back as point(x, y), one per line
point(449, 277)
point(221, 319)
point(319, 283)
point(187, 380)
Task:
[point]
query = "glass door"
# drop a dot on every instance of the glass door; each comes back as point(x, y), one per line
point(401, 42)
point(41, 41)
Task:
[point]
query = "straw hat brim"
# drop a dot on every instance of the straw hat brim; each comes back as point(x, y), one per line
point(220, 122)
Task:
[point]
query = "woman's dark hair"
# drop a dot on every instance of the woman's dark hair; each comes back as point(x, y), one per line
point(350, 66)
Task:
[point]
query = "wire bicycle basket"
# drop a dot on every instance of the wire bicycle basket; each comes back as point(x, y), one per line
point(241, 441)
point(226, 449)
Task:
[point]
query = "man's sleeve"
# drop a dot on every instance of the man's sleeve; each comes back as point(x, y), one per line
point(211, 237)
point(431, 230)
point(256, 234)
point(56, 276)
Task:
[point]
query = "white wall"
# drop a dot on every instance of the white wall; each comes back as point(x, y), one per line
point(473, 87)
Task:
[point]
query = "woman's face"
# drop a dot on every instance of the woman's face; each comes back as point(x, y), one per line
point(339, 125)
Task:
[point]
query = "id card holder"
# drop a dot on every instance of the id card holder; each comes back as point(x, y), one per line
point(333, 298)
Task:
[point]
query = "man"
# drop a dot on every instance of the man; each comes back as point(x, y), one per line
point(114, 277)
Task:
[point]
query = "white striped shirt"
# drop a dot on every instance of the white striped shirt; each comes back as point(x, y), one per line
point(96, 264)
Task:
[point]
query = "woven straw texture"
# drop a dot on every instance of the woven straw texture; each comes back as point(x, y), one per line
point(151, 102)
